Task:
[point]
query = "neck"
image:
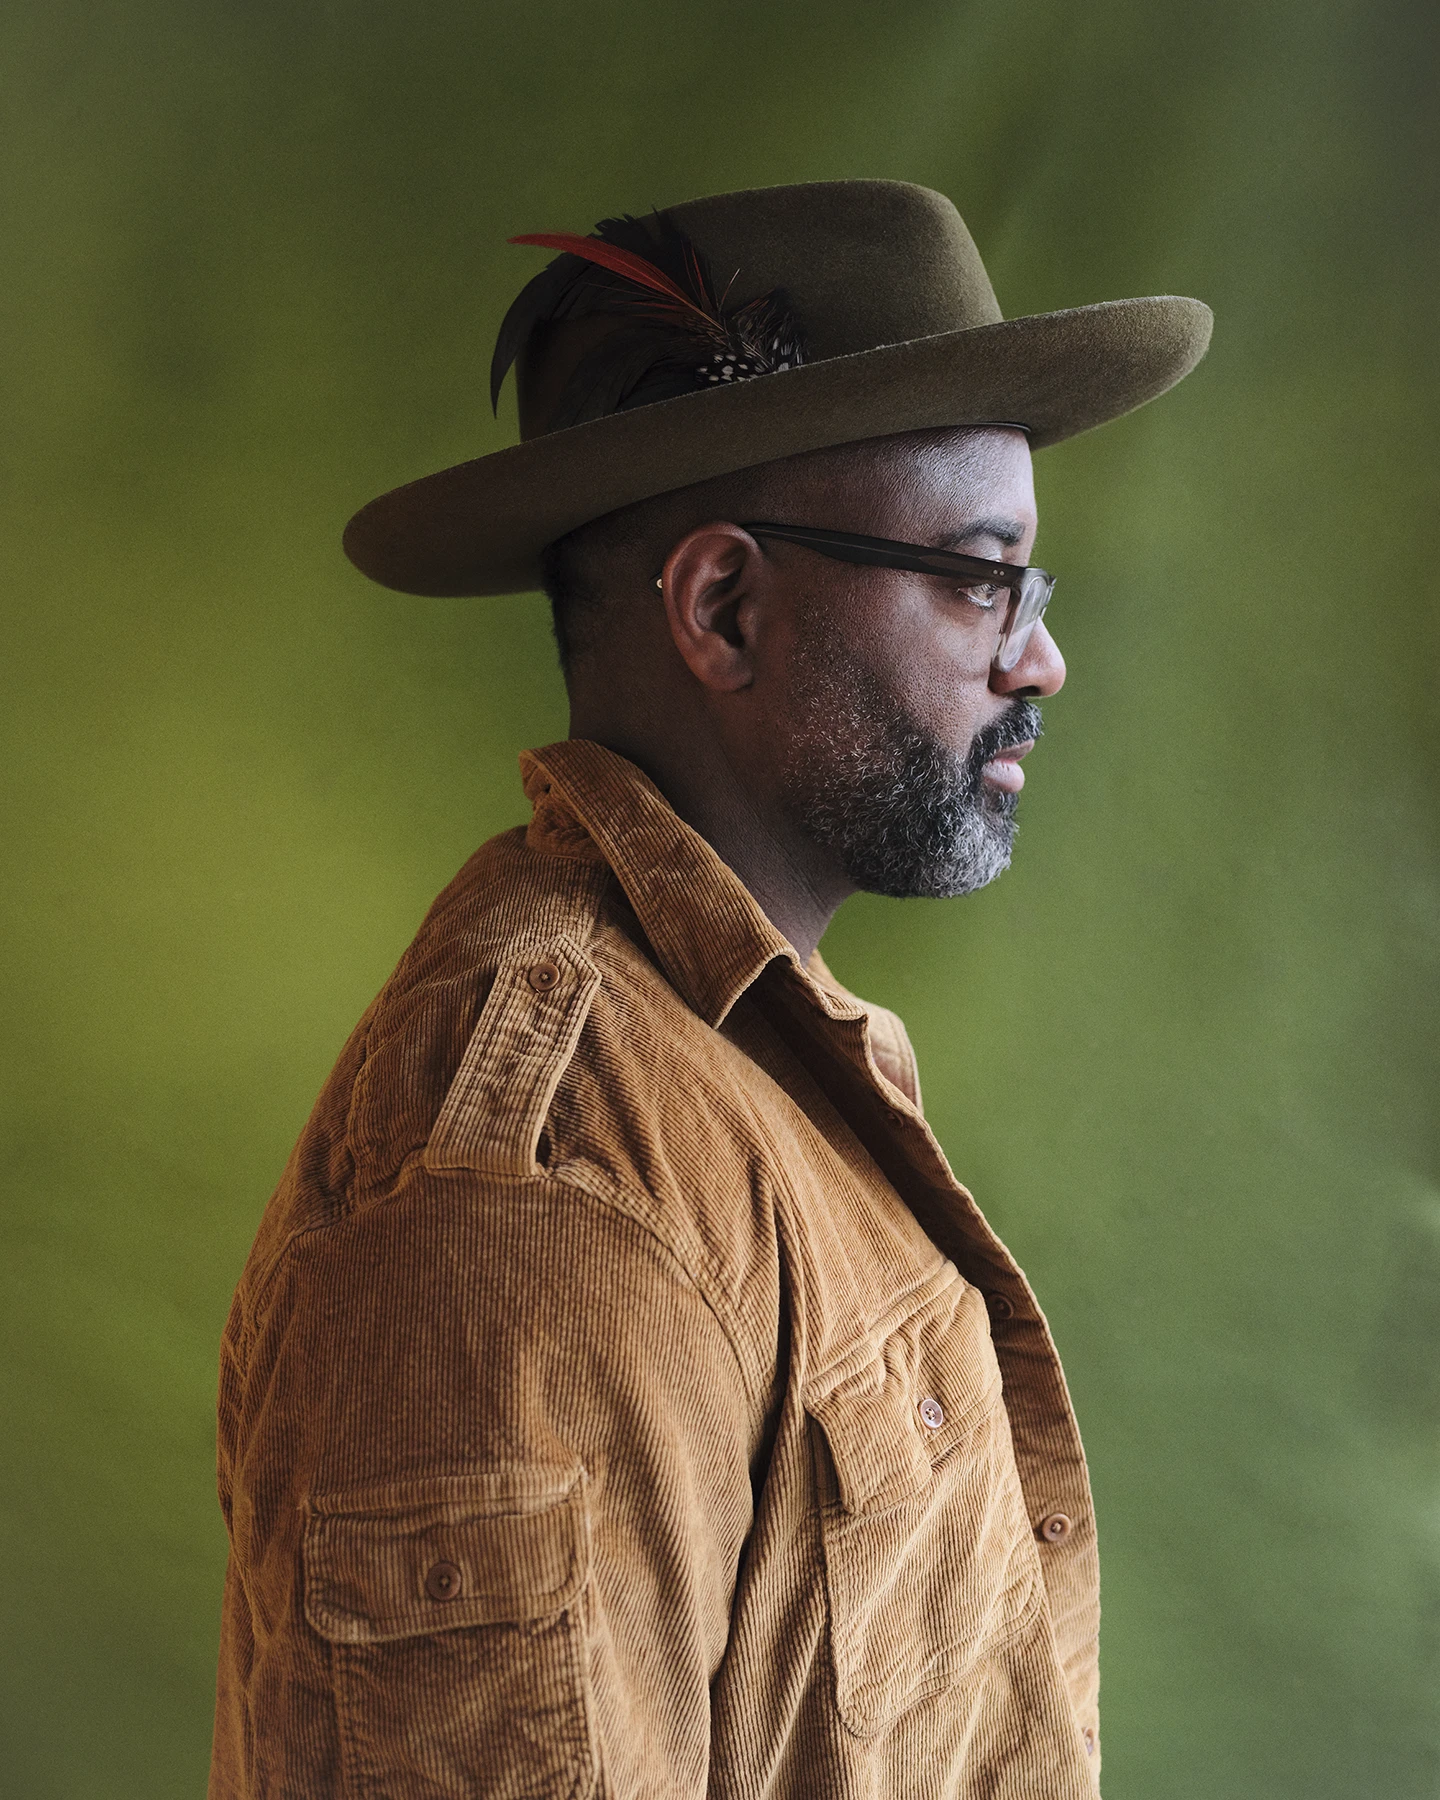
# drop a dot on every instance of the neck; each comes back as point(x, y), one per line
point(797, 889)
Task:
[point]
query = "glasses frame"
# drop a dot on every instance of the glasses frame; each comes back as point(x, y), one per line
point(1031, 587)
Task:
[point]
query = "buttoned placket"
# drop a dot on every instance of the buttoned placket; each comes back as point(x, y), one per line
point(1054, 1479)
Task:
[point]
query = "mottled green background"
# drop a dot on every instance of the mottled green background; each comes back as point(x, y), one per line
point(1185, 1052)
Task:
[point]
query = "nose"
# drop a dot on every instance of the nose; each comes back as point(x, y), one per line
point(1040, 670)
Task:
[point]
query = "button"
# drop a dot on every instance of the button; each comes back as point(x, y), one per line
point(1089, 1737)
point(932, 1413)
point(544, 977)
point(1055, 1528)
point(444, 1582)
point(999, 1307)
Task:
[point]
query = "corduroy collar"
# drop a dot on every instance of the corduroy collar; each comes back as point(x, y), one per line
point(709, 934)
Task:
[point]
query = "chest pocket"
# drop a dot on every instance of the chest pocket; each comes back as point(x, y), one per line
point(930, 1564)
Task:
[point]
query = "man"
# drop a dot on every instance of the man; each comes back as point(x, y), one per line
point(622, 1396)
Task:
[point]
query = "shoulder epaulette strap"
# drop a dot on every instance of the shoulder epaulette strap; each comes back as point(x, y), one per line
point(522, 1042)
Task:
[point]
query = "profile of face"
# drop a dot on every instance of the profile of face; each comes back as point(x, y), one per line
point(828, 726)
point(895, 740)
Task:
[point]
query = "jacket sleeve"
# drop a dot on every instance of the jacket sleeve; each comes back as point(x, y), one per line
point(485, 1461)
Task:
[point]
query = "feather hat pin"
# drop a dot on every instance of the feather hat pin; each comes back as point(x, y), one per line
point(676, 334)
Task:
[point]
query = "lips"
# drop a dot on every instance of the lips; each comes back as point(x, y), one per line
point(994, 760)
point(1003, 770)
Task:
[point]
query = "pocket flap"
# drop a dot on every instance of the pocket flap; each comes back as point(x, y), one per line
point(500, 1546)
point(893, 1408)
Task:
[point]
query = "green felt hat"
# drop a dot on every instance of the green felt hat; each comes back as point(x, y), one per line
point(903, 333)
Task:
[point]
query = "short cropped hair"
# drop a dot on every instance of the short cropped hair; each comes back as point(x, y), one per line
point(570, 576)
point(591, 573)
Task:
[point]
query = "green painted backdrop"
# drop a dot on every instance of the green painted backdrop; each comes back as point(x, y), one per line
point(1185, 1052)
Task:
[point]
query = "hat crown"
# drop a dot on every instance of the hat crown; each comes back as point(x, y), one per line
point(862, 263)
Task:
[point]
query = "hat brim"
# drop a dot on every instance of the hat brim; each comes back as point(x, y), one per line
point(480, 527)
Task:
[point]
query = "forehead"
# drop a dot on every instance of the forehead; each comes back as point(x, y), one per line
point(921, 483)
point(966, 473)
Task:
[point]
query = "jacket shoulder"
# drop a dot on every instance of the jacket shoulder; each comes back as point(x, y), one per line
point(510, 931)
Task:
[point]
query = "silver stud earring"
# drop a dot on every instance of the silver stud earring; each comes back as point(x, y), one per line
point(660, 583)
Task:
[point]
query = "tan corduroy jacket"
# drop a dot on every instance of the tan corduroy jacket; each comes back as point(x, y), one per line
point(622, 1397)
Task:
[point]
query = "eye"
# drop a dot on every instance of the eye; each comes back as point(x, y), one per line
point(984, 594)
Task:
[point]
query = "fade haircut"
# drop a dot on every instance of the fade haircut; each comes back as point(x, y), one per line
point(604, 568)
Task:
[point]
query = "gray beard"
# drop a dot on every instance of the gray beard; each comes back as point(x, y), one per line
point(902, 814)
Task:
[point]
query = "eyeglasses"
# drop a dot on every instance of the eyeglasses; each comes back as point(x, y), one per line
point(1017, 596)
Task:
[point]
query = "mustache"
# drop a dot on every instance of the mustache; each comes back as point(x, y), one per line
point(1018, 725)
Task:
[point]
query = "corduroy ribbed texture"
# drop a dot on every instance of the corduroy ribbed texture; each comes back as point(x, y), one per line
point(622, 1396)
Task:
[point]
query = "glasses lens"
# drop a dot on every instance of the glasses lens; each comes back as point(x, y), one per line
point(1025, 614)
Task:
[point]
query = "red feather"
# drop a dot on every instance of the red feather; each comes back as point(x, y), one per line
point(676, 336)
point(619, 262)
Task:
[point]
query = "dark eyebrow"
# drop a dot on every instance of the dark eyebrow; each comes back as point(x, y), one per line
point(1004, 531)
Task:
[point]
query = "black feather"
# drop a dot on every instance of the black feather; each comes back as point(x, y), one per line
point(536, 301)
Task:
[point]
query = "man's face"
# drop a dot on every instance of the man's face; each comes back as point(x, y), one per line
point(898, 745)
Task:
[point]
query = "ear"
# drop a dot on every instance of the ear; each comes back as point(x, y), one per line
point(714, 584)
